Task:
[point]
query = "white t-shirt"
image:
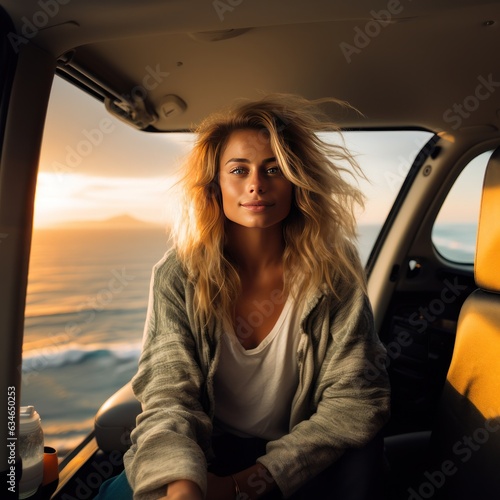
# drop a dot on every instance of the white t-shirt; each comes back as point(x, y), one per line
point(254, 388)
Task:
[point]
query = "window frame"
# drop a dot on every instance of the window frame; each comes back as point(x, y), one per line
point(442, 255)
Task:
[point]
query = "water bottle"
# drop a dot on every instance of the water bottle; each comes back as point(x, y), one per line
point(30, 451)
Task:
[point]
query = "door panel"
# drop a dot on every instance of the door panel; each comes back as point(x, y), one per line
point(420, 324)
point(419, 334)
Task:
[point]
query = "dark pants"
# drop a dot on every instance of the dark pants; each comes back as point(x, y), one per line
point(357, 475)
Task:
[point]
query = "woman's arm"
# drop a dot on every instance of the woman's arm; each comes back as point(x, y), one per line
point(168, 440)
point(252, 483)
point(351, 401)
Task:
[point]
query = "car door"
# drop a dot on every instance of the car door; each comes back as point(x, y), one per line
point(433, 279)
point(25, 83)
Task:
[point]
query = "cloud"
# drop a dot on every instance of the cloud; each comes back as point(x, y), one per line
point(84, 197)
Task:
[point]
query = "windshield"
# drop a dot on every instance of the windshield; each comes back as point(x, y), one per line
point(104, 202)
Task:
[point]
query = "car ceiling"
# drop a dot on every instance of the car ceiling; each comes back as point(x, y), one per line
point(418, 67)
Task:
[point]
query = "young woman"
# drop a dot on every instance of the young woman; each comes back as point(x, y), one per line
point(253, 377)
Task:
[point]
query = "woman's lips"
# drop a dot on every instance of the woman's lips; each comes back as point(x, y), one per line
point(256, 206)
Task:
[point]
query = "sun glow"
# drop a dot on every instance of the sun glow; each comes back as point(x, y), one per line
point(66, 198)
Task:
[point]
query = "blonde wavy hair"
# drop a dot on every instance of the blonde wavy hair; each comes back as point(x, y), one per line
point(319, 232)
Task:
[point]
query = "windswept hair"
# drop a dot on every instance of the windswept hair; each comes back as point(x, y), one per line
point(320, 230)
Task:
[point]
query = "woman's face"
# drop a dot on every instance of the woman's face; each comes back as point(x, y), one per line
point(255, 194)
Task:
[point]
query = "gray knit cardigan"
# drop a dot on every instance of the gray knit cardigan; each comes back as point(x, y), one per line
point(341, 402)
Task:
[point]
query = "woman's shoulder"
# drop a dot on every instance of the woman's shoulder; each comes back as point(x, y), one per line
point(170, 262)
point(169, 270)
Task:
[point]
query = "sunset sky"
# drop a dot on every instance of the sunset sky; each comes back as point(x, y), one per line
point(95, 167)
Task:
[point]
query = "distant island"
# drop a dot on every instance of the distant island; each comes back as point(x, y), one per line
point(123, 221)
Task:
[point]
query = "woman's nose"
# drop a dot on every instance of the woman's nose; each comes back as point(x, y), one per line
point(256, 183)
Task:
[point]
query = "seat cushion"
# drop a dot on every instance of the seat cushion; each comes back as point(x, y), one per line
point(115, 420)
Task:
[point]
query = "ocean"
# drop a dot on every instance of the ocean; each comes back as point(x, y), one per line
point(86, 305)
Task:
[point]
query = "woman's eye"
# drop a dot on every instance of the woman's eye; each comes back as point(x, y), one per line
point(273, 170)
point(238, 170)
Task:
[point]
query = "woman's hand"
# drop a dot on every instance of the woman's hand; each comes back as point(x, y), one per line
point(253, 483)
point(220, 488)
point(183, 489)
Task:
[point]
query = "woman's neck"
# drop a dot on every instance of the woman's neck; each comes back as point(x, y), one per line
point(255, 249)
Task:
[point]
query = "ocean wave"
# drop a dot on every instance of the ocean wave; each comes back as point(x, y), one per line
point(72, 354)
point(54, 312)
point(453, 244)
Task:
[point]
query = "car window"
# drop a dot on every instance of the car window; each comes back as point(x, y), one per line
point(105, 198)
point(102, 206)
point(455, 229)
point(385, 158)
